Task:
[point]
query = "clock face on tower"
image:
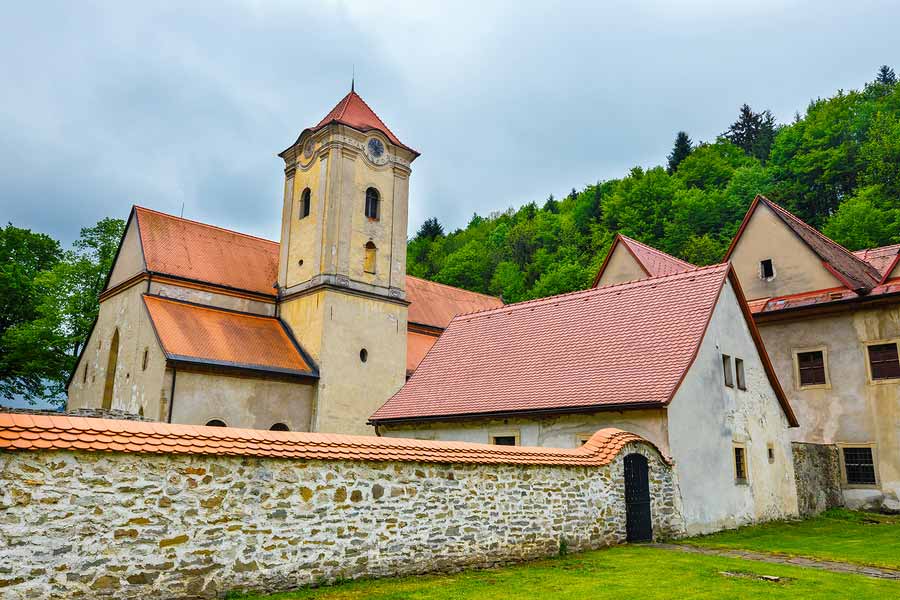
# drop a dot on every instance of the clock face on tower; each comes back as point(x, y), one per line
point(375, 148)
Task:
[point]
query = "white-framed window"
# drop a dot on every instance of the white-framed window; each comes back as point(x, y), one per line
point(504, 438)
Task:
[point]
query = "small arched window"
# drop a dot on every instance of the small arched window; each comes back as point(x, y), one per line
point(371, 251)
point(305, 202)
point(279, 427)
point(216, 423)
point(373, 198)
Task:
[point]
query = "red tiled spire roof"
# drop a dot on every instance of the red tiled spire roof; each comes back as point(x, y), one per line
point(655, 263)
point(42, 432)
point(854, 272)
point(213, 336)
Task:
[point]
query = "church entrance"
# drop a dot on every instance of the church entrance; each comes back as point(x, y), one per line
point(638, 522)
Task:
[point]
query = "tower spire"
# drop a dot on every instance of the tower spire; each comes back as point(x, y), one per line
point(353, 79)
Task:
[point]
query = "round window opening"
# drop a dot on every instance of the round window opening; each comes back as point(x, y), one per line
point(363, 355)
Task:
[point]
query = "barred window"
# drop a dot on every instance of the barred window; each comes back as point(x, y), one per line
point(740, 464)
point(860, 466)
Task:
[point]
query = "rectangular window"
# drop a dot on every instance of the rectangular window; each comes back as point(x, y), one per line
point(770, 452)
point(811, 367)
point(859, 466)
point(766, 269)
point(582, 438)
point(740, 464)
point(726, 366)
point(739, 371)
point(504, 440)
point(883, 361)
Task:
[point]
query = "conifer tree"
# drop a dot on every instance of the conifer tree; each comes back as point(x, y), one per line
point(430, 229)
point(680, 151)
point(886, 76)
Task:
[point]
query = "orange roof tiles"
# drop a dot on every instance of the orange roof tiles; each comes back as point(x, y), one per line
point(41, 432)
point(354, 112)
point(201, 334)
point(435, 304)
point(655, 263)
point(192, 250)
point(589, 349)
point(417, 346)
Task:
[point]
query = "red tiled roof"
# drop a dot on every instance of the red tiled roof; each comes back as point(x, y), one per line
point(585, 349)
point(417, 346)
point(824, 297)
point(883, 259)
point(655, 263)
point(40, 432)
point(854, 272)
point(435, 304)
point(201, 334)
point(192, 250)
point(184, 248)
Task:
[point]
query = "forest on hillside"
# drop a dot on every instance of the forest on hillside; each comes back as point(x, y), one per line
point(837, 166)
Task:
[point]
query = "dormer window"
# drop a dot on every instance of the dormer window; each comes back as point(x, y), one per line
point(766, 269)
point(373, 199)
point(305, 202)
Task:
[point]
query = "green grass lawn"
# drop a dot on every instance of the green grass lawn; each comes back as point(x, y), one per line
point(841, 535)
point(619, 572)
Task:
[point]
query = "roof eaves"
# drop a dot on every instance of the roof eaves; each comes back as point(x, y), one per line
point(182, 360)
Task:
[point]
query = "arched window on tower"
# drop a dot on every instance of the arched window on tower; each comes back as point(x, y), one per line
point(373, 199)
point(111, 362)
point(305, 202)
point(371, 251)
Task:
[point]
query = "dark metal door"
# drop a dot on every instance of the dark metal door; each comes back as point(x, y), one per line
point(638, 524)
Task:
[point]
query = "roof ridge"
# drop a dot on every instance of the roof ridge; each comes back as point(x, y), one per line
point(785, 212)
point(201, 223)
point(211, 307)
point(656, 250)
point(452, 287)
point(597, 291)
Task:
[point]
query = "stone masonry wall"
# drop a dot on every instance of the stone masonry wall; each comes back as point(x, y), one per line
point(817, 470)
point(124, 525)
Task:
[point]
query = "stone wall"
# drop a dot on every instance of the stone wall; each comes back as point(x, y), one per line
point(77, 524)
point(817, 469)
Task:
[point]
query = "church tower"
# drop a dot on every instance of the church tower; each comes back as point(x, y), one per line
point(342, 267)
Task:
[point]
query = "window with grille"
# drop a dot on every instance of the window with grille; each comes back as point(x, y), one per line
point(740, 464)
point(372, 201)
point(739, 373)
point(883, 361)
point(726, 367)
point(859, 465)
point(305, 203)
point(811, 366)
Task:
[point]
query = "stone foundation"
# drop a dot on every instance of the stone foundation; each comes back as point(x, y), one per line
point(125, 525)
point(817, 469)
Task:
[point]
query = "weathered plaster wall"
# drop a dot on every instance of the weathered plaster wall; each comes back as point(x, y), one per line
point(248, 402)
point(334, 327)
point(96, 525)
point(797, 268)
point(136, 390)
point(198, 296)
point(621, 267)
point(851, 409)
point(130, 260)
point(817, 468)
point(706, 418)
point(565, 431)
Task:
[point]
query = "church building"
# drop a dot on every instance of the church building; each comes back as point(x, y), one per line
point(202, 325)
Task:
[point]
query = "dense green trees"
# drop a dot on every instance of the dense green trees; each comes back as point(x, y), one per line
point(49, 302)
point(837, 166)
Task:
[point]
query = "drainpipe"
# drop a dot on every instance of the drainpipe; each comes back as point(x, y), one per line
point(172, 394)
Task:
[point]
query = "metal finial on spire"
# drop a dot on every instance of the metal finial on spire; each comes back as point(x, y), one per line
point(353, 79)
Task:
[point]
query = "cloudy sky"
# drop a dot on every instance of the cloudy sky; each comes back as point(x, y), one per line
point(105, 105)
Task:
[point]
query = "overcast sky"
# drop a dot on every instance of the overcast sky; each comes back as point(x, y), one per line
point(105, 105)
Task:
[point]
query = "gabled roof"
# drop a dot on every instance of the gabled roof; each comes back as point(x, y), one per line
point(615, 347)
point(203, 335)
point(19, 432)
point(435, 304)
point(853, 271)
point(353, 111)
point(654, 263)
point(191, 250)
point(882, 259)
